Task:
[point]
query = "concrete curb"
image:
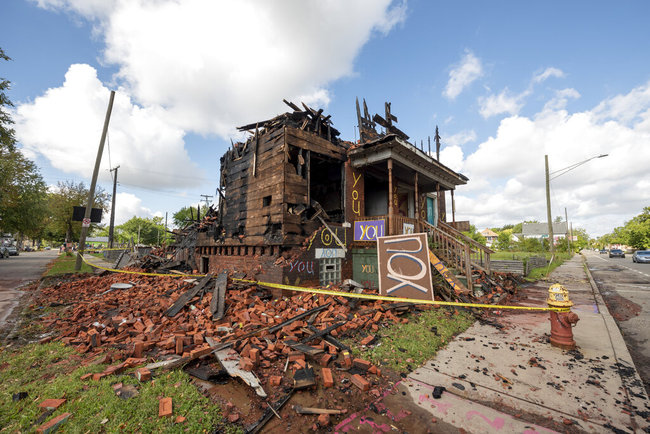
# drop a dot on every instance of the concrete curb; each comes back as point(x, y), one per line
point(639, 398)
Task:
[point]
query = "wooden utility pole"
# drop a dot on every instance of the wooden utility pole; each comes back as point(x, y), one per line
point(91, 194)
point(548, 207)
point(568, 240)
point(111, 227)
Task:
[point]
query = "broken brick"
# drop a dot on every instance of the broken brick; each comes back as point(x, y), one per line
point(53, 424)
point(362, 364)
point(328, 379)
point(360, 382)
point(165, 407)
point(245, 364)
point(323, 420)
point(367, 340)
point(275, 380)
point(51, 404)
point(143, 374)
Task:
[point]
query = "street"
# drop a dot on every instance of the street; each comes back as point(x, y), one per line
point(625, 286)
point(16, 271)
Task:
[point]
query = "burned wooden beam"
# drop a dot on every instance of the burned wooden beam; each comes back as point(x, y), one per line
point(298, 346)
point(321, 333)
point(187, 297)
point(217, 305)
point(299, 316)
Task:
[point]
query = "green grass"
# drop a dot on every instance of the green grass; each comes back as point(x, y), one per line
point(64, 264)
point(53, 371)
point(401, 346)
point(543, 272)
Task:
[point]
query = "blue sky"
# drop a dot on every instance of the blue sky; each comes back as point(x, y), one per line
point(506, 82)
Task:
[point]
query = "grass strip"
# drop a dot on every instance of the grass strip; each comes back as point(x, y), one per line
point(404, 347)
point(53, 371)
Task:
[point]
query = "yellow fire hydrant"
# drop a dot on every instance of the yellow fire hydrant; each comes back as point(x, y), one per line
point(561, 322)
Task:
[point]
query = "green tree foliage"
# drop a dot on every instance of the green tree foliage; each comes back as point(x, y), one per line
point(475, 235)
point(504, 240)
point(61, 203)
point(186, 215)
point(635, 233)
point(7, 138)
point(22, 190)
point(149, 231)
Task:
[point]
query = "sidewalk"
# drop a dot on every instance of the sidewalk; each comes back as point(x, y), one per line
point(508, 378)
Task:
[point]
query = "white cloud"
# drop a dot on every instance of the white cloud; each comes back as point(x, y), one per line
point(452, 157)
point(548, 72)
point(127, 206)
point(460, 138)
point(507, 171)
point(561, 98)
point(215, 65)
point(462, 75)
point(504, 102)
point(65, 124)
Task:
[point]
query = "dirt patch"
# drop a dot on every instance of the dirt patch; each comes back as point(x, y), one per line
point(620, 307)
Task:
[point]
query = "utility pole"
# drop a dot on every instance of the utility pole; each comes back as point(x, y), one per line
point(548, 207)
point(206, 198)
point(91, 194)
point(111, 228)
point(568, 241)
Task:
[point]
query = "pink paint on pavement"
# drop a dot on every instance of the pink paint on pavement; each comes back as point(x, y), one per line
point(497, 423)
point(442, 406)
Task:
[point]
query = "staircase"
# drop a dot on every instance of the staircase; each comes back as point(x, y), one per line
point(458, 251)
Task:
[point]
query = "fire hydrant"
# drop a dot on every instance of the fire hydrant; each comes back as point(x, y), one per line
point(561, 322)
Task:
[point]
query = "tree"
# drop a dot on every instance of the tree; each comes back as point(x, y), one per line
point(141, 230)
point(187, 214)
point(475, 235)
point(61, 203)
point(504, 240)
point(7, 138)
point(22, 189)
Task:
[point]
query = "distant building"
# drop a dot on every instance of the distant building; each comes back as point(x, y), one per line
point(540, 231)
point(490, 237)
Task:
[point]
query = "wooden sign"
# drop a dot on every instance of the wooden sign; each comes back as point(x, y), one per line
point(369, 230)
point(404, 269)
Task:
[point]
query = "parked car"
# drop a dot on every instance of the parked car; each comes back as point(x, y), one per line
point(616, 253)
point(641, 256)
point(4, 252)
point(603, 251)
point(13, 251)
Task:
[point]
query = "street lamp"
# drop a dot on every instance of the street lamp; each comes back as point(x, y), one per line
point(556, 174)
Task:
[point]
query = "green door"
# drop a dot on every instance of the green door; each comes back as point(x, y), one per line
point(364, 267)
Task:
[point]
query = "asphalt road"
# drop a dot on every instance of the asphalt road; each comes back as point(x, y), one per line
point(16, 271)
point(625, 287)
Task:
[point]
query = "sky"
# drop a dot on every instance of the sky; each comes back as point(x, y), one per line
point(506, 83)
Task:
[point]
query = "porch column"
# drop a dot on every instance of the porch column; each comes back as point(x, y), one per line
point(417, 204)
point(453, 207)
point(390, 196)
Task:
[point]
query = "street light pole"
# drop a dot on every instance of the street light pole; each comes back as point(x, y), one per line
point(548, 207)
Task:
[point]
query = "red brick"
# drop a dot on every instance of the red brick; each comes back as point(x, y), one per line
point(347, 359)
point(165, 407)
point(86, 376)
point(324, 420)
point(49, 404)
point(296, 355)
point(254, 355)
point(180, 419)
point(245, 364)
point(143, 374)
point(138, 349)
point(53, 424)
point(200, 352)
point(325, 359)
point(360, 382)
point(367, 339)
point(179, 344)
point(275, 380)
point(362, 364)
point(328, 379)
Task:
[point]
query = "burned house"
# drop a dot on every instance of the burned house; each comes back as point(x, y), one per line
point(300, 206)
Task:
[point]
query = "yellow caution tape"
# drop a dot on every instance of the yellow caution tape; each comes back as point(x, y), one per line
point(346, 294)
